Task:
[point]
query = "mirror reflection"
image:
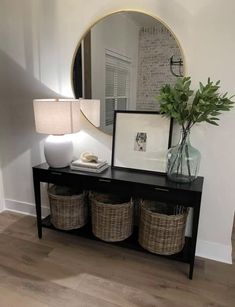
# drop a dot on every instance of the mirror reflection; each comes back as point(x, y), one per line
point(124, 60)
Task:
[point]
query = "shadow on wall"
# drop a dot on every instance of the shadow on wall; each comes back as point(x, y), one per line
point(18, 88)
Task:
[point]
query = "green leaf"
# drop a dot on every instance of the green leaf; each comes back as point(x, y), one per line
point(212, 122)
point(214, 118)
point(188, 107)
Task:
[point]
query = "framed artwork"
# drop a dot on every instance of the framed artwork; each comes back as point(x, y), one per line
point(141, 140)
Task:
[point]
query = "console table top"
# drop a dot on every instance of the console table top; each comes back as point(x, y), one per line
point(130, 176)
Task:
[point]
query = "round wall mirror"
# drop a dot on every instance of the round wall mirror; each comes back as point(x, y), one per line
point(123, 60)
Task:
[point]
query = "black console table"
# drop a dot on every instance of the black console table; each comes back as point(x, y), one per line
point(132, 183)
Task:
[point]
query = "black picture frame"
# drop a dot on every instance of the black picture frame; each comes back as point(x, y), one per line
point(138, 128)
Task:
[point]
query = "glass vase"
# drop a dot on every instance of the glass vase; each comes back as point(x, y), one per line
point(183, 160)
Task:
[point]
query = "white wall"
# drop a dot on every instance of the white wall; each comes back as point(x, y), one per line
point(126, 35)
point(38, 38)
point(2, 199)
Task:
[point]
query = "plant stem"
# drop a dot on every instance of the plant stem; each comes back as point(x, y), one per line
point(188, 164)
point(179, 155)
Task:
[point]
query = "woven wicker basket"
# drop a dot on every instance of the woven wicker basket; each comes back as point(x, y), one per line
point(162, 233)
point(112, 217)
point(68, 208)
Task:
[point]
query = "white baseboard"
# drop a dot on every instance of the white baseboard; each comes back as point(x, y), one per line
point(214, 251)
point(23, 207)
point(205, 249)
point(2, 199)
point(2, 203)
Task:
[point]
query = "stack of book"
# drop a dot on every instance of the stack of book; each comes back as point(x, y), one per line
point(94, 167)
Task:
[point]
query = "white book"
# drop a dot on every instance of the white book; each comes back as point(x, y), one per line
point(95, 165)
point(89, 169)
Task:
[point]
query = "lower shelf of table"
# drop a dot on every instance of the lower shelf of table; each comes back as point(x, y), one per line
point(130, 243)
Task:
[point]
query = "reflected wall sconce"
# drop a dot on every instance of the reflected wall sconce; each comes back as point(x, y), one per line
point(91, 109)
point(176, 63)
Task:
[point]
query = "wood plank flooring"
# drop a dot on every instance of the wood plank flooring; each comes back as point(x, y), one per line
point(62, 270)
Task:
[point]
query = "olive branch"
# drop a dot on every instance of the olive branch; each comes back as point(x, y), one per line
point(188, 107)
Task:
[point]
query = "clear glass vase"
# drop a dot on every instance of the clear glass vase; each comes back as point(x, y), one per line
point(183, 160)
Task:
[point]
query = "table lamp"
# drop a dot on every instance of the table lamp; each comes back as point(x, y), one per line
point(57, 117)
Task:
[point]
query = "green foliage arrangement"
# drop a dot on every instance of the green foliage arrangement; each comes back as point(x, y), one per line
point(188, 107)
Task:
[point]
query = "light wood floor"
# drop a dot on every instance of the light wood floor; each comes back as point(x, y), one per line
point(62, 270)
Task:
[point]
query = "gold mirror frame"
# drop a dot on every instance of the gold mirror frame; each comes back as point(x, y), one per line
point(112, 13)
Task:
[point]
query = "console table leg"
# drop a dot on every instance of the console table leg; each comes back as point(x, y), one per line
point(196, 213)
point(191, 267)
point(37, 194)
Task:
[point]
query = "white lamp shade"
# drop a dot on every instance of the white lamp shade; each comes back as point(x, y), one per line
point(91, 109)
point(57, 116)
